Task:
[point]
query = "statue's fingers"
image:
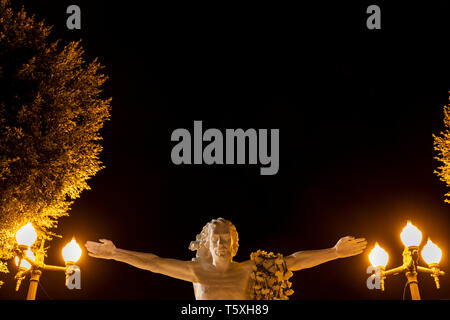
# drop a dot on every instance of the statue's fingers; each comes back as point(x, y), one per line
point(358, 240)
point(105, 241)
point(358, 247)
point(359, 243)
point(93, 255)
point(356, 252)
point(90, 244)
point(93, 244)
point(93, 249)
point(90, 250)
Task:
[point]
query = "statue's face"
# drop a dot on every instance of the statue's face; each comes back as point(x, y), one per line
point(220, 241)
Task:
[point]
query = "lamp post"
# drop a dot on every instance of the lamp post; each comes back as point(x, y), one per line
point(411, 238)
point(32, 263)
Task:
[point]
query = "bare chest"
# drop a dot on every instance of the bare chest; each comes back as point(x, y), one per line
point(229, 285)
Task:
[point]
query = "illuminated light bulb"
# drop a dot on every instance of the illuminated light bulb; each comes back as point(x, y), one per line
point(26, 235)
point(378, 257)
point(24, 263)
point(71, 252)
point(411, 236)
point(431, 253)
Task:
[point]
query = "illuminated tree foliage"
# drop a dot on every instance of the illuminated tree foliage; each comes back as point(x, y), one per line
point(442, 145)
point(51, 114)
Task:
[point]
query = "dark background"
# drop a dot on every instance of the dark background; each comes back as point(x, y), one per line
point(356, 109)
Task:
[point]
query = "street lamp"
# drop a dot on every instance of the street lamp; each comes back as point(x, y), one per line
point(432, 256)
point(411, 238)
point(71, 252)
point(379, 258)
point(410, 235)
point(33, 263)
point(26, 235)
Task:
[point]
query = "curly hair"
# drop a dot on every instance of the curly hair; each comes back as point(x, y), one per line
point(201, 243)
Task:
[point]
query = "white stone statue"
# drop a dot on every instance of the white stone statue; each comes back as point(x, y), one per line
point(213, 272)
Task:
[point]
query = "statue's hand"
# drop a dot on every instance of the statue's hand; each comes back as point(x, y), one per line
point(104, 250)
point(349, 246)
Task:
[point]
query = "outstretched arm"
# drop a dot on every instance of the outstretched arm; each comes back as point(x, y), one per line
point(183, 270)
point(345, 247)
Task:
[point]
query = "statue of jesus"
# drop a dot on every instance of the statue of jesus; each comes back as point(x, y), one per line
point(213, 272)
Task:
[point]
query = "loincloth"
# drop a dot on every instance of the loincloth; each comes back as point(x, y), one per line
point(270, 277)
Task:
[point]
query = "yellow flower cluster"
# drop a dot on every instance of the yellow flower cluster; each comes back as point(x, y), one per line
point(270, 277)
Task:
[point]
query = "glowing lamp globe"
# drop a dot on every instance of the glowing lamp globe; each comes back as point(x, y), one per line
point(411, 236)
point(431, 253)
point(24, 263)
point(26, 235)
point(378, 257)
point(71, 252)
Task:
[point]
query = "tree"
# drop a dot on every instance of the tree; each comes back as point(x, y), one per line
point(442, 145)
point(51, 113)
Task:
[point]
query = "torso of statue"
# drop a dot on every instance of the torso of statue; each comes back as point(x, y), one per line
point(231, 284)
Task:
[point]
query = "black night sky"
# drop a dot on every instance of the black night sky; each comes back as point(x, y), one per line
point(356, 109)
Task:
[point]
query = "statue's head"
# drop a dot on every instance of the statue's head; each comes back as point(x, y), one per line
point(218, 239)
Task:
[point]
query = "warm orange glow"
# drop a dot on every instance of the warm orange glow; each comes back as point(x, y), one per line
point(24, 263)
point(431, 253)
point(378, 257)
point(411, 236)
point(26, 235)
point(71, 252)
